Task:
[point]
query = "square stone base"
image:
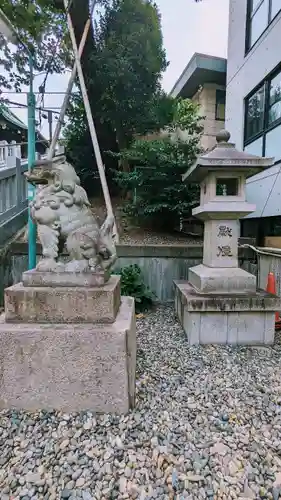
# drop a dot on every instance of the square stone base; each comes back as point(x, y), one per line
point(57, 304)
point(71, 367)
point(64, 278)
point(221, 280)
point(226, 319)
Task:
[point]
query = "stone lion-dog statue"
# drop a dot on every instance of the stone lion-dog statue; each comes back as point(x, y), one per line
point(63, 215)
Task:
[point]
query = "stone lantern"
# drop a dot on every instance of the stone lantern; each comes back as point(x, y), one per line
point(220, 302)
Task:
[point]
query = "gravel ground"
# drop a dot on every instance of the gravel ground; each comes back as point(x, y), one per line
point(150, 238)
point(207, 425)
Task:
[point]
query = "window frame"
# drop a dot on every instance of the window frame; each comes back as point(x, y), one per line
point(269, 106)
point(246, 104)
point(267, 127)
point(250, 13)
point(220, 91)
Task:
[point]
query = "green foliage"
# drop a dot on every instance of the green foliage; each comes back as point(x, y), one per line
point(128, 62)
point(40, 25)
point(186, 117)
point(156, 169)
point(132, 285)
point(78, 143)
point(122, 64)
point(124, 72)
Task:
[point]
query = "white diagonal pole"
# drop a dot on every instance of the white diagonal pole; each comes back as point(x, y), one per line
point(70, 85)
point(90, 121)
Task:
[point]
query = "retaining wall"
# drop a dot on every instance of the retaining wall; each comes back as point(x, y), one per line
point(160, 264)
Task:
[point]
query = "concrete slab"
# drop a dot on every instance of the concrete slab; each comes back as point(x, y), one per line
point(248, 320)
point(221, 280)
point(98, 304)
point(64, 278)
point(70, 367)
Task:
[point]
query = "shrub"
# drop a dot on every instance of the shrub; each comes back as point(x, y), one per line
point(132, 285)
point(156, 169)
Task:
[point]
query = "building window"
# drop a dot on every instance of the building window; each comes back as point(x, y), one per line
point(259, 16)
point(274, 111)
point(263, 118)
point(255, 148)
point(255, 113)
point(220, 104)
point(275, 7)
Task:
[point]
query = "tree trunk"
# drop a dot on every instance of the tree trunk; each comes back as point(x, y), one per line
point(122, 144)
point(123, 164)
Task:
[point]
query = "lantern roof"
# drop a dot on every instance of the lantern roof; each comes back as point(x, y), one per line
point(223, 157)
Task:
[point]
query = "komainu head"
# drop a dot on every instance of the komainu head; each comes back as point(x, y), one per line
point(54, 171)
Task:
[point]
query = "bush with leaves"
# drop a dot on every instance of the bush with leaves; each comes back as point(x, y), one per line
point(156, 169)
point(132, 285)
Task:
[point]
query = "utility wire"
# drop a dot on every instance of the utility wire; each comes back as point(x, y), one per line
point(18, 105)
point(26, 92)
point(38, 108)
point(23, 143)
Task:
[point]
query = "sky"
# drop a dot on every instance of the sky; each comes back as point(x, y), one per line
point(187, 27)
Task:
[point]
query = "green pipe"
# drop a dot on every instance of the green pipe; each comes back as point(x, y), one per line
point(31, 160)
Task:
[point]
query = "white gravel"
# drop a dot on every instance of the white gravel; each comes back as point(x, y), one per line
point(207, 425)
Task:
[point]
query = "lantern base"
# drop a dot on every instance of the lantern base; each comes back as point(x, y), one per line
point(238, 319)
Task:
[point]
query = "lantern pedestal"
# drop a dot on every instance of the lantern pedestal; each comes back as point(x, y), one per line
point(226, 318)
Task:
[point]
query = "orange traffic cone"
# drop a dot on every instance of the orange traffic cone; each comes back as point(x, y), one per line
point(271, 288)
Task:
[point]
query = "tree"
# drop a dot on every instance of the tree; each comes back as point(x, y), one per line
point(78, 141)
point(79, 148)
point(122, 60)
point(157, 167)
point(41, 25)
point(124, 70)
point(128, 63)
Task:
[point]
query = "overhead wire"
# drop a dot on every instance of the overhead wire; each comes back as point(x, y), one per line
point(25, 143)
point(17, 105)
point(35, 92)
point(42, 88)
point(38, 108)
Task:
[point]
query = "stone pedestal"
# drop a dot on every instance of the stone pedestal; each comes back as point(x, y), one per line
point(60, 304)
point(225, 318)
point(67, 346)
point(220, 303)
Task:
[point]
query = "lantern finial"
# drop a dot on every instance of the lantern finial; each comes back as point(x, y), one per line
point(223, 136)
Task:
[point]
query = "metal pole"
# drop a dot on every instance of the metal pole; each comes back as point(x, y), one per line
point(50, 121)
point(90, 121)
point(69, 87)
point(31, 160)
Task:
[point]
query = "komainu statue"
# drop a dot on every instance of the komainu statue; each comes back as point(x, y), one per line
point(63, 215)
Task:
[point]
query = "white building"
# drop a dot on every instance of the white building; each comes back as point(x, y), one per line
point(253, 101)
